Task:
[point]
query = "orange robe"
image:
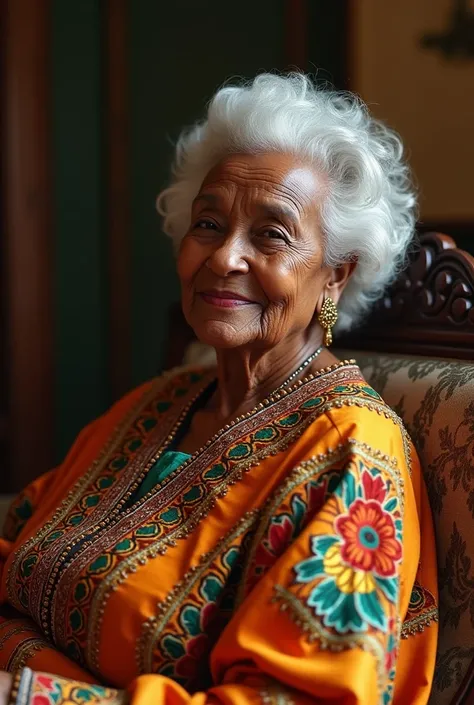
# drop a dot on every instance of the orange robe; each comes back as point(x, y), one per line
point(291, 559)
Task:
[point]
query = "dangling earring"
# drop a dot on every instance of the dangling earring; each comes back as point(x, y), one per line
point(327, 319)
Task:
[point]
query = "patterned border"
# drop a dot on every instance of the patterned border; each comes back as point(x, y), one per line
point(19, 629)
point(77, 490)
point(153, 626)
point(98, 521)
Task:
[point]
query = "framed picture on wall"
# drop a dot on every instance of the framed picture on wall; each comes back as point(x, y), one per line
point(413, 63)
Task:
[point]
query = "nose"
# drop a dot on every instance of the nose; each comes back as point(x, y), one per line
point(229, 256)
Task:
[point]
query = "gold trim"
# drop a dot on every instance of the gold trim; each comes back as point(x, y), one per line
point(419, 623)
point(153, 626)
point(124, 489)
point(276, 694)
point(24, 651)
point(20, 629)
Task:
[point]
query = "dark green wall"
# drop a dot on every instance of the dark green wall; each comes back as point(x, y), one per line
point(80, 282)
point(180, 53)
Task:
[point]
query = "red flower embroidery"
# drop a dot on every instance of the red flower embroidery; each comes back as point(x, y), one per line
point(40, 699)
point(188, 665)
point(278, 539)
point(374, 487)
point(208, 614)
point(45, 681)
point(316, 493)
point(369, 540)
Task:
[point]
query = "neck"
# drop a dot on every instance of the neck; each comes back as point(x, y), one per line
point(246, 378)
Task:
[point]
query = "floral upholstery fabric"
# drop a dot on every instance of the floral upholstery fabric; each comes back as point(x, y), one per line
point(435, 399)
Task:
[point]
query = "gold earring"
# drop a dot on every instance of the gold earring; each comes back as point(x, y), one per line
point(327, 319)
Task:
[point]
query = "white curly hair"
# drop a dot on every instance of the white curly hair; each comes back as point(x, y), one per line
point(368, 214)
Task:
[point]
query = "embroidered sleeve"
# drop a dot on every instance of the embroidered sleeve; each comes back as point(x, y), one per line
point(343, 591)
point(322, 586)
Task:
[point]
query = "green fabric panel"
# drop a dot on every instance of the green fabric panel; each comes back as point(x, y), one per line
point(328, 34)
point(170, 460)
point(180, 53)
point(80, 275)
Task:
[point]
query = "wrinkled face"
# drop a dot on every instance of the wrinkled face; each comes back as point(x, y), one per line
point(251, 265)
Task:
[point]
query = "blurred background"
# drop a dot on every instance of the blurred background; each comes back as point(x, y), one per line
point(93, 95)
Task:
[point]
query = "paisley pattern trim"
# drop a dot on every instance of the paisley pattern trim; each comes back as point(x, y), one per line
point(102, 517)
point(153, 627)
point(422, 611)
point(78, 489)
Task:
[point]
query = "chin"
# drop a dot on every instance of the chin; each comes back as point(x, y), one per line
point(219, 335)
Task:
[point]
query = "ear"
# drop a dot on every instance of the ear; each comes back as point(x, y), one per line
point(338, 280)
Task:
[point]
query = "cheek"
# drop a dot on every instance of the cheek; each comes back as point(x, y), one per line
point(290, 281)
point(191, 258)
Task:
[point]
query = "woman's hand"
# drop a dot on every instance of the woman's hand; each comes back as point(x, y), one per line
point(5, 687)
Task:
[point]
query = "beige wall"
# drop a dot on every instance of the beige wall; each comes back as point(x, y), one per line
point(426, 97)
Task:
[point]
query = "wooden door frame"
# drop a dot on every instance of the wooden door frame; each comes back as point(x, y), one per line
point(26, 198)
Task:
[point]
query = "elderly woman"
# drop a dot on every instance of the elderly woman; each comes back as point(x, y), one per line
point(257, 531)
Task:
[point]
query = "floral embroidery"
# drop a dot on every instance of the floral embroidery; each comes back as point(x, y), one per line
point(287, 522)
point(210, 475)
point(356, 566)
point(345, 595)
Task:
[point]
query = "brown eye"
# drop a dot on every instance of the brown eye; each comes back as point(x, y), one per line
point(205, 224)
point(273, 234)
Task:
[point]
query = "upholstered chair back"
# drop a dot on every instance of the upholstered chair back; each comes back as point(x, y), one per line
point(435, 399)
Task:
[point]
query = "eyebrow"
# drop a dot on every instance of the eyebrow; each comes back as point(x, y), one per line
point(210, 198)
point(279, 211)
point(274, 210)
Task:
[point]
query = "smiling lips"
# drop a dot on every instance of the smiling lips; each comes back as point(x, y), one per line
point(224, 299)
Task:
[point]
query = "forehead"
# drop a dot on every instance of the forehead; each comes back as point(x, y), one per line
point(275, 176)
